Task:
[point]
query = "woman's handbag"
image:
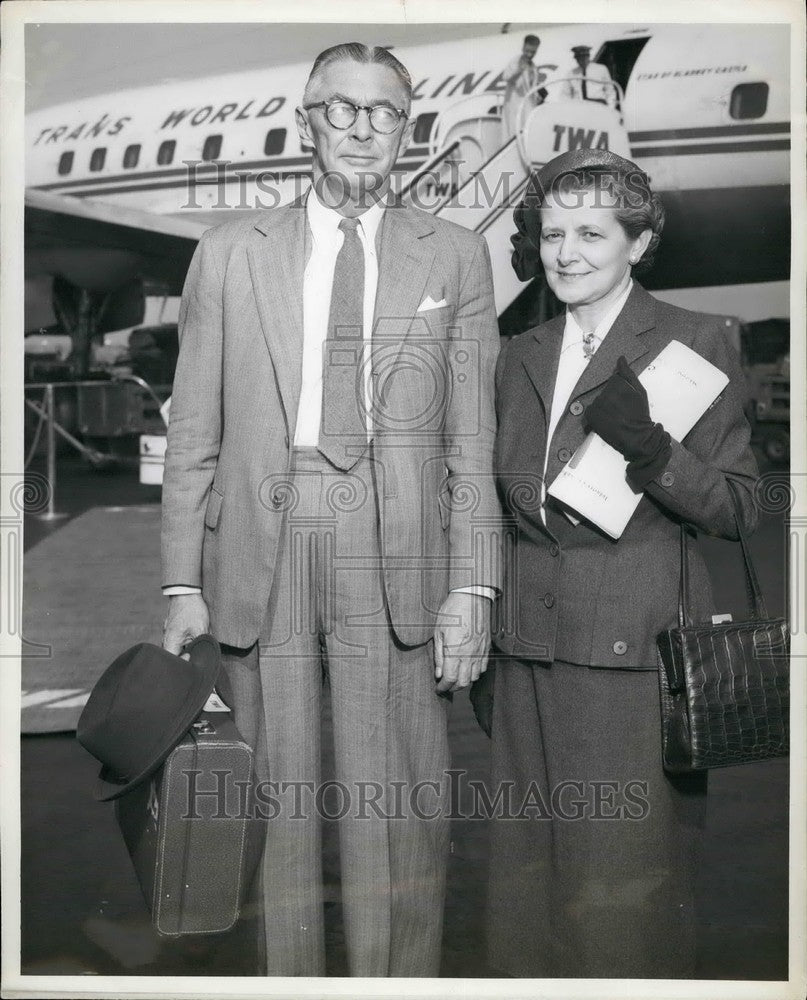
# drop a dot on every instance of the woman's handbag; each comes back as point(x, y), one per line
point(725, 695)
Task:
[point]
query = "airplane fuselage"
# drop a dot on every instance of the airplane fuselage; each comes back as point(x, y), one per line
point(706, 110)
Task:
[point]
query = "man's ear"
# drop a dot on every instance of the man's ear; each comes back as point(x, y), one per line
point(406, 135)
point(303, 127)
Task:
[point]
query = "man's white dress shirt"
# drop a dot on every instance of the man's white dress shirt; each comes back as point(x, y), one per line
point(326, 242)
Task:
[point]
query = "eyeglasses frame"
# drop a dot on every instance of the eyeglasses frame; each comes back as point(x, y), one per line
point(359, 107)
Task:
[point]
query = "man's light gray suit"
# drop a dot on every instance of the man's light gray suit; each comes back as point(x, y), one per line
point(416, 517)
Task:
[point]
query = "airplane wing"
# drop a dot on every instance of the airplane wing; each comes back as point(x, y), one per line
point(99, 246)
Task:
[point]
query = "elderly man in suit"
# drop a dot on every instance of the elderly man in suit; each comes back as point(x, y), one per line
point(329, 514)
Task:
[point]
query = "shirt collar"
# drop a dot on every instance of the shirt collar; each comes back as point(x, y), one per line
point(573, 332)
point(324, 221)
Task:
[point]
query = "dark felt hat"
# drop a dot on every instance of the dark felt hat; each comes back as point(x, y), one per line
point(141, 707)
point(597, 160)
point(580, 48)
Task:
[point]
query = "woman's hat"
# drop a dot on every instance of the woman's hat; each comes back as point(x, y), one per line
point(576, 160)
point(141, 707)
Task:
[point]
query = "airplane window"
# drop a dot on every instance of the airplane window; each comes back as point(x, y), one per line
point(66, 163)
point(212, 147)
point(423, 127)
point(165, 154)
point(275, 142)
point(98, 158)
point(130, 157)
point(749, 100)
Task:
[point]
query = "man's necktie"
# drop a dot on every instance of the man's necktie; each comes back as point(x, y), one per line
point(343, 426)
point(585, 89)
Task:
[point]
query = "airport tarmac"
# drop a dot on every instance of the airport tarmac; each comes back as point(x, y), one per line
point(83, 913)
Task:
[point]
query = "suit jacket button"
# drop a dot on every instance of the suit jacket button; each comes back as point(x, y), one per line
point(576, 408)
point(553, 549)
point(564, 454)
point(667, 479)
point(549, 600)
point(286, 440)
point(620, 647)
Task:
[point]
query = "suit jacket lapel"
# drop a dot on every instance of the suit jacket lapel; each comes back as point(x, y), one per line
point(276, 267)
point(541, 361)
point(625, 337)
point(405, 262)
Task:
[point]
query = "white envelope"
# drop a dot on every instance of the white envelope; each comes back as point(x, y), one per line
point(681, 386)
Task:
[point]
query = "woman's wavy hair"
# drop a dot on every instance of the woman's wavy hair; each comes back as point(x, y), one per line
point(638, 208)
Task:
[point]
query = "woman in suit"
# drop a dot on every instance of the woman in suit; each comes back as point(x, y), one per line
point(594, 847)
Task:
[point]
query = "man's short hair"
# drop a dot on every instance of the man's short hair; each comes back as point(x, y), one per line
point(360, 53)
point(532, 40)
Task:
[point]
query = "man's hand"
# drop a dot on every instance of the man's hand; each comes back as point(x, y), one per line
point(461, 641)
point(187, 617)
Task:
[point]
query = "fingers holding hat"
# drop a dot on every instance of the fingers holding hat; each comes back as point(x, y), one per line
point(188, 617)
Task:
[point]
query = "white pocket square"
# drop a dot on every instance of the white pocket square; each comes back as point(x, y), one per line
point(429, 303)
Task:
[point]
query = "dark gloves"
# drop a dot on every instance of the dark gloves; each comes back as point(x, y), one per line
point(482, 699)
point(621, 416)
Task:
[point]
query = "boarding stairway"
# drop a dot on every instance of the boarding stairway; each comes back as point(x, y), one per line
point(477, 172)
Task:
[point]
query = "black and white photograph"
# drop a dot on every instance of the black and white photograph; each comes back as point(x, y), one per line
point(403, 500)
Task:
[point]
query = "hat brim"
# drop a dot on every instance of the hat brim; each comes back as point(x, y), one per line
point(205, 654)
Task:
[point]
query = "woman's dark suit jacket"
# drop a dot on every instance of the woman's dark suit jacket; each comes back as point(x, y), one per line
point(570, 592)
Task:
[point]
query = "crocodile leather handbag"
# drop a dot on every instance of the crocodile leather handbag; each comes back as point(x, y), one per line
point(724, 687)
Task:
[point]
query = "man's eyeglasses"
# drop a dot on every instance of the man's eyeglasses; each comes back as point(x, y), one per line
point(342, 114)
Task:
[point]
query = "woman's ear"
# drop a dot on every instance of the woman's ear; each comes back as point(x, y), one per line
point(640, 244)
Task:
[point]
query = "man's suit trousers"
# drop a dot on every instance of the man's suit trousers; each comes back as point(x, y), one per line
point(327, 622)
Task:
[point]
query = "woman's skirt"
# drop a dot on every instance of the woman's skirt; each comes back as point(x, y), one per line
point(593, 847)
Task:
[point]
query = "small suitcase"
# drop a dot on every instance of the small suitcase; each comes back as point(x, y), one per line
point(189, 833)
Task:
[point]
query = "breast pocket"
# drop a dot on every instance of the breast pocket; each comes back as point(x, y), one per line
point(213, 510)
point(436, 320)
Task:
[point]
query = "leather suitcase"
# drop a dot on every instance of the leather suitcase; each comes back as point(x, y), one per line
point(189, 833)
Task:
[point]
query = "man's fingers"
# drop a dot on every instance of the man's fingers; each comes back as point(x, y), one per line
point(172, 645)
point(460, 650)
point(438, 653)
point(447, 674)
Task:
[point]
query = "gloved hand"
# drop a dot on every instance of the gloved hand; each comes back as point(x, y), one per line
point(621, 416)
point(481, 693)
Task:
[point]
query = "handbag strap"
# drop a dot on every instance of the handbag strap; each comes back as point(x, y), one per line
point(756, 602)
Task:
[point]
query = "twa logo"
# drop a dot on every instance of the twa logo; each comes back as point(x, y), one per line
point(567, 137)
